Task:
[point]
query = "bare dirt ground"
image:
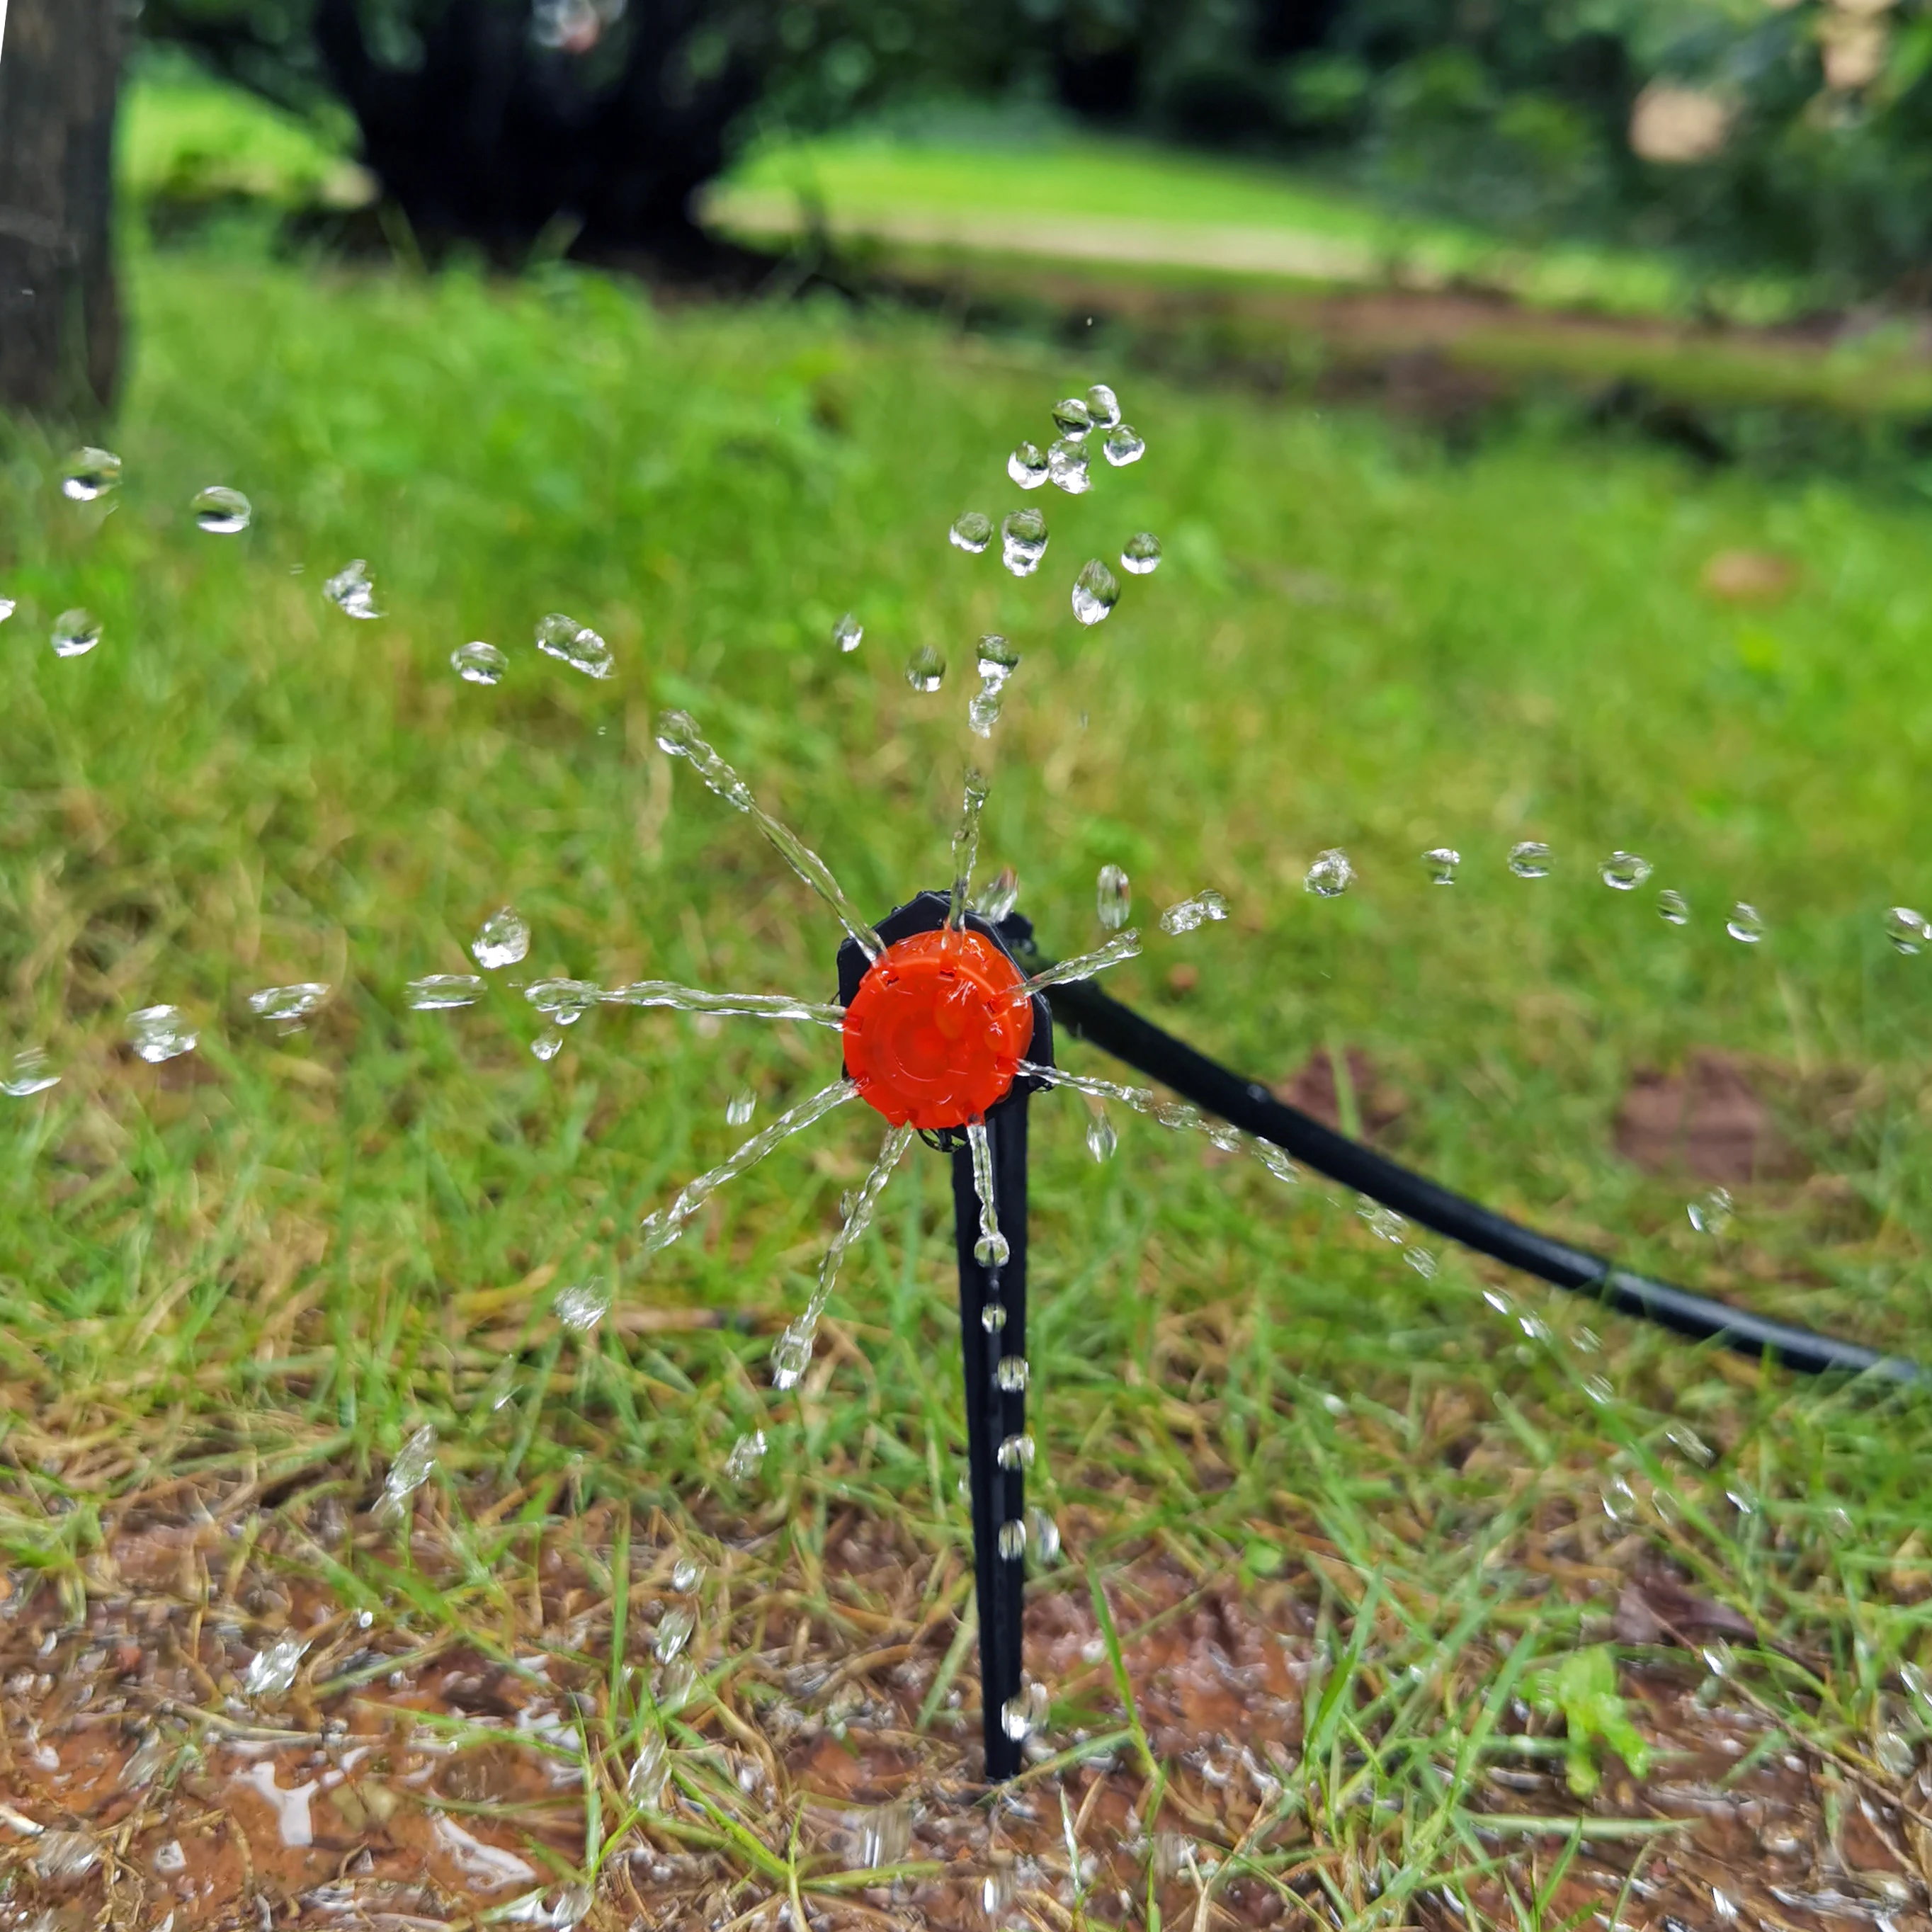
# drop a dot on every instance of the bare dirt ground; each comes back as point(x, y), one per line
point(196, 1729)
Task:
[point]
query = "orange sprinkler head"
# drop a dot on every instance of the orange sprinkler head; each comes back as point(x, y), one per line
point(933, 1035)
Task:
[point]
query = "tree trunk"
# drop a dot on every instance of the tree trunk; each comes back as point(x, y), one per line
point(60, 322)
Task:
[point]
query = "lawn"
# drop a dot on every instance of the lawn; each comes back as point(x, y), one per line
point(1073, 197)
point(1364, 1531)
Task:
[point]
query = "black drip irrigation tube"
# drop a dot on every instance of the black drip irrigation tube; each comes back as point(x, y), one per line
point(1088, 1014)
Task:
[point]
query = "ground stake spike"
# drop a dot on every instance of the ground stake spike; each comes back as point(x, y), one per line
point(994, 1413)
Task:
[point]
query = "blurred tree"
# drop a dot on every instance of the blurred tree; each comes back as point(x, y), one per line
point(1797, 133)
point(494, 121)
point(60, 324)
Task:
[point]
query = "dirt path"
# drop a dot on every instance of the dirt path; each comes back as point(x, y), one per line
point(1255, 292)
point(1230, 248)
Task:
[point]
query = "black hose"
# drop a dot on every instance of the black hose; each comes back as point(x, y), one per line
point(1091, 1015)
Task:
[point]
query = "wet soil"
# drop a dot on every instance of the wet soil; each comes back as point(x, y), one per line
point(192, 1723)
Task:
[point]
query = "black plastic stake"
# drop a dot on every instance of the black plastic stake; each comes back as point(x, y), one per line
point(995, 1414)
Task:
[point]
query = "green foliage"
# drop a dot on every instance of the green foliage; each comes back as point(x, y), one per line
point(1582, 1691)
point(1523, 110)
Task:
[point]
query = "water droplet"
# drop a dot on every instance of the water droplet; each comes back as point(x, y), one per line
point(576, 645)
point(221, 511)
point(972, 532)
point(547, 1045)
point(791, 1353)
point(1012, 1374)
point(1123, 445)
point(1894, 1749)
point(1329, 876)
point(992, 1316)
point(1016, 1452)
point(1200, 911)
point(30, 1073)
point(1745, 924)
point(999, 896)
point(992, 1250)
point(351, 592)
point(1096, 591)
point(1115, 893)
point(1907, 930)
point(1673, 907)
point(478, 663)
point(435, 992)
point(1424, 1263)
point(288, 1003)
point(645, 1783)
point(1714, 1214)
point(1598, 1389)
point(741, 1106)
point(687, 1572)
point(1045, 1542)
point(407, 1474)
point(503, 939)
point(1385, 1223)
point(1028, 466)
point(160, 1033)
point(1066, 468)
point(1530, 860)
point(884, 1834)
point(1020, 1716)
point(848, 634)
point(1103, 406)
point(1141, 557)
point(1275, 1159)
point(90, 473)
point(1023, 542)
point(271, 1672)
point(674, 1630)
point(583, 1304)
point(1442, 861)
point(566, 1001)
point(925, 669)
point(1012, 1540)
point(996, 660)
point(75, 633)
point(1624, 871)
point(1073, 418)
point(63, 1858)
point(747, 1454)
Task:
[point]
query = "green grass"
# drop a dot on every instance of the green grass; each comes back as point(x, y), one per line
point(876, 181)
point(277, 1258)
